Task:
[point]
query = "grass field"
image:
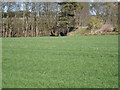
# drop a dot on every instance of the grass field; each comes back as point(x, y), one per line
point(60, 62)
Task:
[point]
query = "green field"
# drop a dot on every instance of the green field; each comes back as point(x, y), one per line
point(60, 62)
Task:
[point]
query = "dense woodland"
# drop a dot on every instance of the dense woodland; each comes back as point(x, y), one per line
point(34, 19)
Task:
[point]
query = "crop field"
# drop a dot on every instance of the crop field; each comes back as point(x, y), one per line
point(60, 62)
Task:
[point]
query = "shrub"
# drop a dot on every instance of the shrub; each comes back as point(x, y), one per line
point(116, 28)
point(94, 23)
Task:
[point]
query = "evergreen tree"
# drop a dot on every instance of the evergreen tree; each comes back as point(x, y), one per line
point(67, 22)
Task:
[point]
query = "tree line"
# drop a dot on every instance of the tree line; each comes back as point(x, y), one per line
point(34, 19)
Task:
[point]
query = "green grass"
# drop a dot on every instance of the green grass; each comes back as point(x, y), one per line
point(60, 62)
point(79, 32)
